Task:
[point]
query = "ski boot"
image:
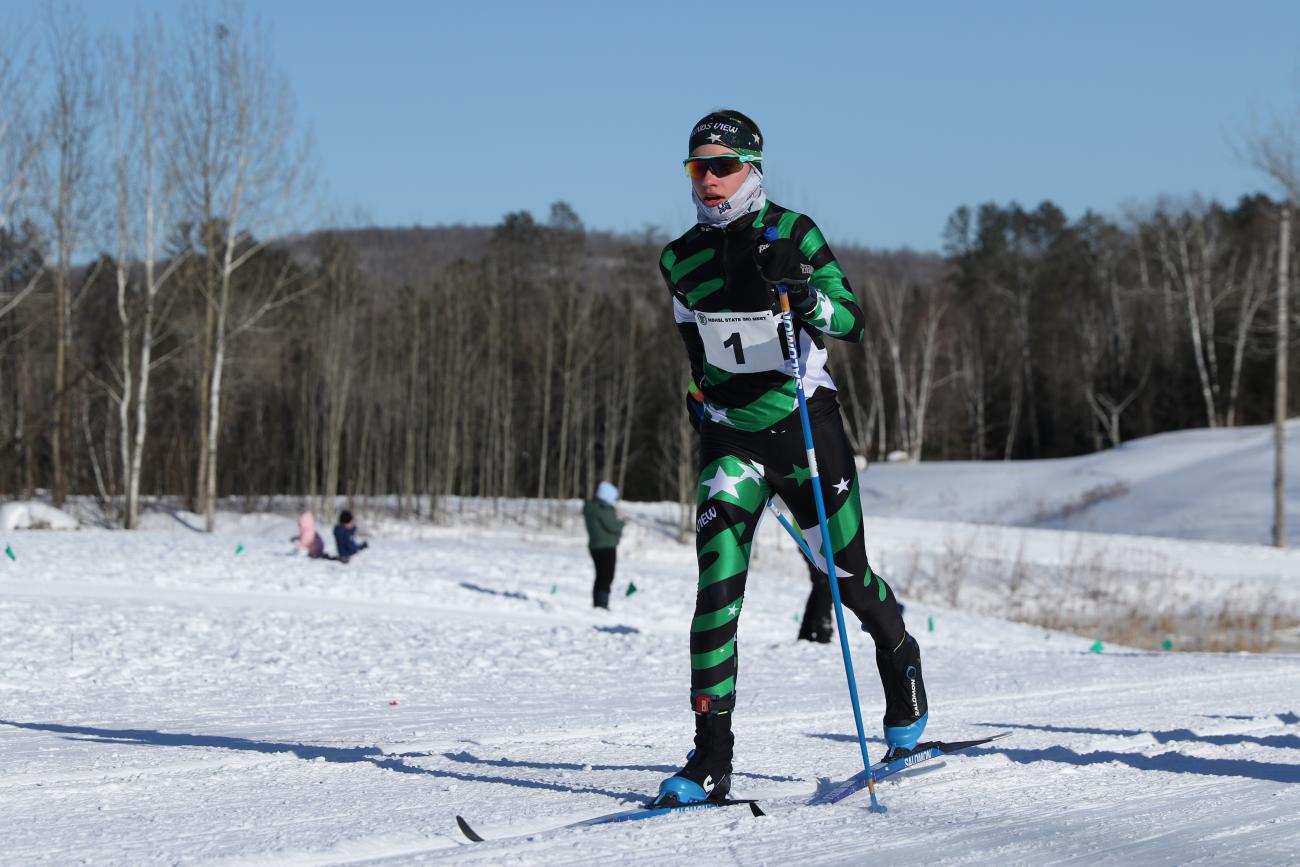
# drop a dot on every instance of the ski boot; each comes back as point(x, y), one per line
point(817, 630)
point(906, 711)
point(707, 773)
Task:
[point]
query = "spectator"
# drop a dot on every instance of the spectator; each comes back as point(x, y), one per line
point(604, 527)
point(308, 540)
point(345, 538)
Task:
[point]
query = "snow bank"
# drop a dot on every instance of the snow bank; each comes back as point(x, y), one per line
point(31, 515)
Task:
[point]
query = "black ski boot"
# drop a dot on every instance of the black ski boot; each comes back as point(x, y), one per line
point(906, 711)
point(817, 624)
point(707, 773)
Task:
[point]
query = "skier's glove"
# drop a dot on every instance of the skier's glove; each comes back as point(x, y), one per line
point(781, 261)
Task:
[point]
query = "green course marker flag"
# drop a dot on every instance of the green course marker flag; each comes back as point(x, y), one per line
point(9, 552)
point(554, 588)
point(239, 549)
point(796, 618)
point(631, 588)
point(931, 621)
point(1097, 647)
point(1167, 644)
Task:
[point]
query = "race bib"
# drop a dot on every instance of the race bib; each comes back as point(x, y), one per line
point(743, 342)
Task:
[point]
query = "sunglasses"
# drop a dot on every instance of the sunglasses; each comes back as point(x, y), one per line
point(721, 165)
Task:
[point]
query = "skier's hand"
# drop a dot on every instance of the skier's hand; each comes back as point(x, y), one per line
point(781, 261)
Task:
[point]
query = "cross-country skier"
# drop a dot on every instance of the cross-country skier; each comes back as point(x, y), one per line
point(722, 274)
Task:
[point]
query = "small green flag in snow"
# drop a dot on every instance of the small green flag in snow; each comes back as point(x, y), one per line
point(796, 618)
point(1097, 647)
point(931, 621)
point(1167, 644)
point(239, 549)
point(631, 588)
point(555, 587)
point(9, 552)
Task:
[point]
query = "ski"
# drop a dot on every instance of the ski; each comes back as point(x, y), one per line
point(924, 752)
point(634, 815)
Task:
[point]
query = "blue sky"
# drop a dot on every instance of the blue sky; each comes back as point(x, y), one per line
point(879, 118)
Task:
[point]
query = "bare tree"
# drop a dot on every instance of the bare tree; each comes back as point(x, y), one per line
point(65, 177)
point(244, 165)
point(19, 151)
point(144, 184)
point(908, 316)
point(1274, 149)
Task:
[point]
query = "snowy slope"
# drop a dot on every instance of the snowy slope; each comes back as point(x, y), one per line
point(164, 700)
point(1214, 485)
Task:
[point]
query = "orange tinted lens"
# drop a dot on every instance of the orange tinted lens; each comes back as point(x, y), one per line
point(720, 166)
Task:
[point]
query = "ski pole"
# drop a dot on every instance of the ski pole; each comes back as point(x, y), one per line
point(794, 534)
point(792, 354)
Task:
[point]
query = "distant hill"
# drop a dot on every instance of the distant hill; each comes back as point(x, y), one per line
point(1209, 484)
point(395, 256)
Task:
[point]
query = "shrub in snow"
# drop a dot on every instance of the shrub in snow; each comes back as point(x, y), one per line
point(30, 515)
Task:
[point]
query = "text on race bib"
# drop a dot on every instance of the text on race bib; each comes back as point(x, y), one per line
point(742, 342)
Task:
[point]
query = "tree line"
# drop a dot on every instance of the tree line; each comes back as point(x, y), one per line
point(209, 352)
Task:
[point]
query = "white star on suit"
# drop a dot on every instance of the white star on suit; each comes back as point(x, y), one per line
point(751, 471)
point(825, 310)
point(716, 415)
point(733, 609)
point(842, 486)
point(721, 483)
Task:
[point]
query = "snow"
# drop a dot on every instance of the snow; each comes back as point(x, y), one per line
point(167, 700)
point(28, 514)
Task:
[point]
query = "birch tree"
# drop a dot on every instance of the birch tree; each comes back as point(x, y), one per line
point(244, 168)
point(65, 179)
point(144, 185)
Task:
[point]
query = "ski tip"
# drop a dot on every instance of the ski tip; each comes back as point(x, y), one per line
point(468, 831)
point(754, 808)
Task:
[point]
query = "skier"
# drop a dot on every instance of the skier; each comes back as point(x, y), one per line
point(604, 528)
point(722, 275)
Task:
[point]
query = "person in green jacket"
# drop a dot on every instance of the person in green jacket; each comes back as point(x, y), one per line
point(604, 527)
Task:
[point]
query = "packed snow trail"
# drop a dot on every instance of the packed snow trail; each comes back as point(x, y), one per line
point(166, 701)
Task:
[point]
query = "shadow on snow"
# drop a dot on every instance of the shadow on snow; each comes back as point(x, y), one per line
point(1171, 762)
point(1282, 742)
point(344, 755)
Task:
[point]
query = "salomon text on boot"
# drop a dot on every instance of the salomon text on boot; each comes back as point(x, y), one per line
point(906, 711)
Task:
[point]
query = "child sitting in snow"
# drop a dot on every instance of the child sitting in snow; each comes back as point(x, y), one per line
point(345, 538)
point(308, 540)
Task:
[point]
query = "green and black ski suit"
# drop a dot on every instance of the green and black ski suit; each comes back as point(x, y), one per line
point(751, 441)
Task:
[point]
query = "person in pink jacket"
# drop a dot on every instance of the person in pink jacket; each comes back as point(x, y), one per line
point(308, 539)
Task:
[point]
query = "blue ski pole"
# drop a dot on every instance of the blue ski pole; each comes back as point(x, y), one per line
point(792, 355)
point(794, 534)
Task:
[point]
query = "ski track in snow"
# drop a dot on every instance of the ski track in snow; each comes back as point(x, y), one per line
point(164, 701)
